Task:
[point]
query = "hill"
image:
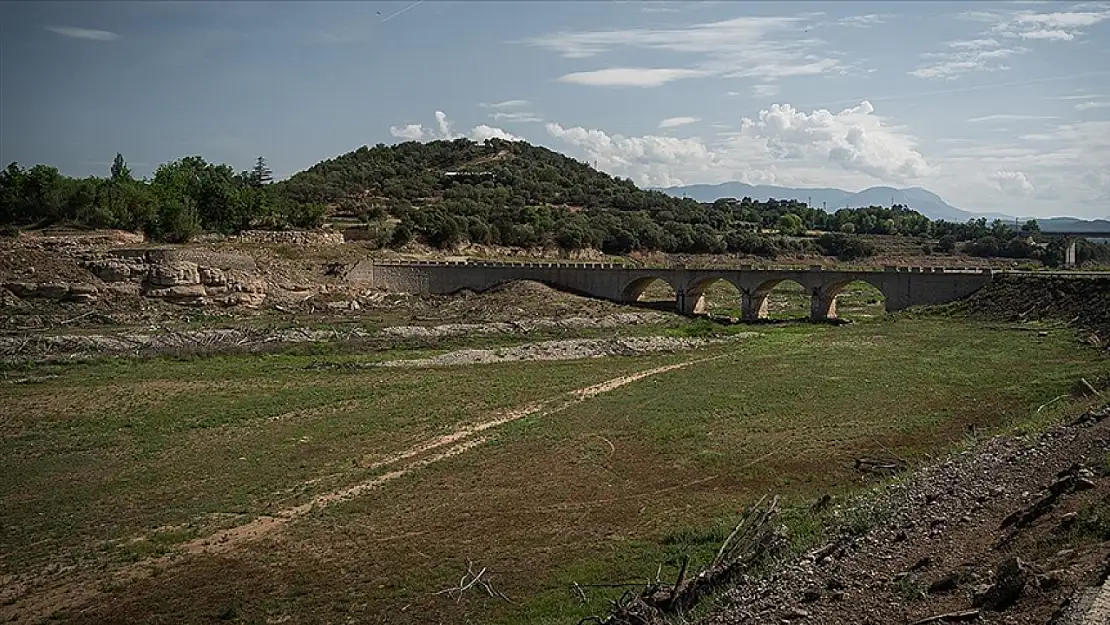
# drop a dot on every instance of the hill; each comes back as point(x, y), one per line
point(922, 200)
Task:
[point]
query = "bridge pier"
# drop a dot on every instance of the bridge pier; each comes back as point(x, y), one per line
point(753, 306)
point(1069, 254)
point(822, 306)
point(690, 303)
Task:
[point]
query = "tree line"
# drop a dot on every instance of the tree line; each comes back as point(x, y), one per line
point(447, 193)
point(182, 199)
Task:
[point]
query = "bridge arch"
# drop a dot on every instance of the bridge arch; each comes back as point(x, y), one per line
point(649, 290)
point(696, 294)
point(866, 297)
point(756, 302)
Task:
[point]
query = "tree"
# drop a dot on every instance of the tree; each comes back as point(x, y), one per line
point(120, 171)
point(261, 174)
point(790, 224)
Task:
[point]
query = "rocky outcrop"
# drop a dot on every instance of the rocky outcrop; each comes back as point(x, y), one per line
point(57, 291)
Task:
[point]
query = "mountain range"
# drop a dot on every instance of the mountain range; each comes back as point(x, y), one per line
point(923, 201)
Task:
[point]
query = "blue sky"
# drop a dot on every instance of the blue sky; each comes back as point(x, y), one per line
point(996, 106)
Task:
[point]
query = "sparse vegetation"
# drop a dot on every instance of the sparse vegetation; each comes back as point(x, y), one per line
point(607, 490)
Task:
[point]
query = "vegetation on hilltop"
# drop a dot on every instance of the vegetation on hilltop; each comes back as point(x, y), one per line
point(447, 193)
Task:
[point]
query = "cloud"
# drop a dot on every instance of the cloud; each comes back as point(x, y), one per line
point(1076, 97)
point(83, 33)
point(1014, 182)
point(987, 54)
point(862, 21)
point(629, 77)
point(1058, 26)
point(1068, 160)
point(854, 138)
point(409, 132)
point(442, 131)
point(517, 117)
point(1003, 117)
point(483, 132)
point(765, 90)
point(675, 122)
point(779, 145)
point(507, 104)
point(1050, 26)
point(765, 48)
point(1084, 106)
point(974, 55)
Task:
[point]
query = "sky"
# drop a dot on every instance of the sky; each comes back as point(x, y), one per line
point(996, 106)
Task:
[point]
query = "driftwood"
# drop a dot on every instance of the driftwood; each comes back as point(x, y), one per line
point(881, 467)
point(753, 539)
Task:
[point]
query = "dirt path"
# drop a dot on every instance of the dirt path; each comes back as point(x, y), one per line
point(23, 603)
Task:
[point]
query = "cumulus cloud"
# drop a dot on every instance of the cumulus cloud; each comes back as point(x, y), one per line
point(483, 132)
point(675, 122)
point(758, 47)
point(417, 132)
point(1092, 104)
point(629, 77)
point(780, 144)
point(409, 132)
point(854, 138)
point(83, 33)
point(1013, 182)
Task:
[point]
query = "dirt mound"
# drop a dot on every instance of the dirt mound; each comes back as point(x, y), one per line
point(1016, 530)
point(1082, 301)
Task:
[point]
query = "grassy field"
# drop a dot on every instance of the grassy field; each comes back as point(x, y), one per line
point(110, 466)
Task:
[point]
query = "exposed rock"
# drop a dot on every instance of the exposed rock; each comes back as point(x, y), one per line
point(113, 270)
point(193, 294)
point(1008, 585)
point(173, 274)
point(211, 276)
point(946, 583)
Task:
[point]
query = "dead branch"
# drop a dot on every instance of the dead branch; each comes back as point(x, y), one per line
point(1050, 402)
point(469, 580)
point(754, 538)
point(950, 617)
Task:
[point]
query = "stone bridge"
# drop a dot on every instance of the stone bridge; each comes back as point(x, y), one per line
point(901, 287)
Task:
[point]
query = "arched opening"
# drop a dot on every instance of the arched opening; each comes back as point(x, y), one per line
point(650, 292)
point(781, 300)
point(717, 298)
point(857, 300)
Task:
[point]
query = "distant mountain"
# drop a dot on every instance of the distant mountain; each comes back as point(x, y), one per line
point(925, 202)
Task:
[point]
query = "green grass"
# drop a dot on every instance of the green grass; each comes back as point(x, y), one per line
point(606, 490)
